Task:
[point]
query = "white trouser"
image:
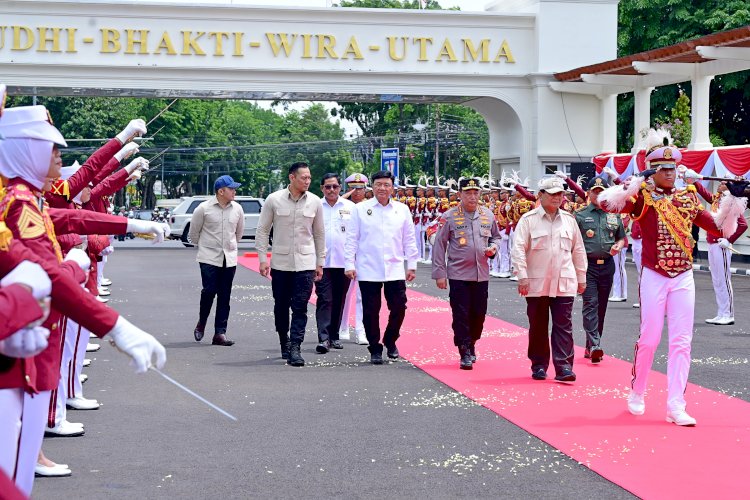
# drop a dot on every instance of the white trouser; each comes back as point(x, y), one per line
point(675, 298)
point(74, 352)
point(719, 261)
point(100, 271)
point(418, 234)
point(353, 295)
point(427, 252)
point(637, 252)
point(503, 259)
point(11, 409)
point(620, 279)
point(34, 416)
point(511, 237)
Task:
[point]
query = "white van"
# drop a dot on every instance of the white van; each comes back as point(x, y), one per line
point(179, 221)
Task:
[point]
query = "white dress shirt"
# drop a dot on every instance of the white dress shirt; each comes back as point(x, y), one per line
point(336, 219)
point(379, 239)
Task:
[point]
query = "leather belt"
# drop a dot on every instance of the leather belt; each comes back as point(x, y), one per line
point(598, 261)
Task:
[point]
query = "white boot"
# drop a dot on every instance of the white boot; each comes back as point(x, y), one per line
point(636, 403)
point(82, 404)
point(680, 417)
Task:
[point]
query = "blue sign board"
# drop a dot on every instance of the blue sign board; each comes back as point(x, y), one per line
point(389, 160)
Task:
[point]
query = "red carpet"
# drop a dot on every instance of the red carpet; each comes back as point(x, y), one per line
point(588, 420)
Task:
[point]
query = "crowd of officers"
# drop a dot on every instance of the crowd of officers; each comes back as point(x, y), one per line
point(56, 227)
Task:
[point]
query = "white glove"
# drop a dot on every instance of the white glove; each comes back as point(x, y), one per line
point(561, 175)
point(137, 344)
point(139, 163)
point(135, 176)
point(127, 151)
point(107, 251)
point(723, 243)
point(691, 176)
point(135, 127)
point(32, 275)
point(610, 173)
point(25, 343)
point(159, 229)
point(80, 258)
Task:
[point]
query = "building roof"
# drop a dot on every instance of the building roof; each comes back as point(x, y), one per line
point(684, 52)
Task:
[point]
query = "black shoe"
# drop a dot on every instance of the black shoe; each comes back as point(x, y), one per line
point(539, 374)
point(392, 351)
point(221, 339)
point(323, 347)
point(200, 329)
point(473, 352)
point(336, 344)
point(566, 375)
point(295, 357)
point(465, 354)
point(597, 353)
point(587, 353)
point(285, 350)
point(376, 358)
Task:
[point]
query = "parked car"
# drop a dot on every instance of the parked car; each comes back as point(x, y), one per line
point(179, 221)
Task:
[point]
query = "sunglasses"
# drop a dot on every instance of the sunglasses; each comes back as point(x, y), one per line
point(331, 186)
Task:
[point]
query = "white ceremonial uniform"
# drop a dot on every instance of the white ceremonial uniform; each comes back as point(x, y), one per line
point(720, 262)
point(380, 240)
point(336, 219)
point(620, 278)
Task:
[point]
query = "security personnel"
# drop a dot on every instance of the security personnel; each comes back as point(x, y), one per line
point(603, 236)
point(467, 236)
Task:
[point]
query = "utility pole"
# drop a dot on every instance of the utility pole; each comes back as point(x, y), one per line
point(437, 143)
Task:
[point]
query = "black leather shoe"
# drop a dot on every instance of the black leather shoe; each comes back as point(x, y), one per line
point(539, 374)
point(465, 354)
point(336, 344)
point(323, 347)
point(473, 352)
point(285, 350)
point(392, 351)
point(566, 375)
point(376, 358)
point(200, 329)
point(597, 353)
point(295, 357)
point(221, 339)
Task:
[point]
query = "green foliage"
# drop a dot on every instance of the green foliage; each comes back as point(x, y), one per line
point(215, 136)
point(679, 123)
point(650, 24)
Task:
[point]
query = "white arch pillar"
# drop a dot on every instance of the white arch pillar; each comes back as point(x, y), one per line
point(609, 122)
point(699, 117)
point(642, 111)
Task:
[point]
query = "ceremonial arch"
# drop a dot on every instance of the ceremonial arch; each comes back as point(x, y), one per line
point(498, 62)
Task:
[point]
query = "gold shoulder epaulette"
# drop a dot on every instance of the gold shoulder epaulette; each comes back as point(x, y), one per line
point(60, 188)
point(691, 188)
point(5, 237)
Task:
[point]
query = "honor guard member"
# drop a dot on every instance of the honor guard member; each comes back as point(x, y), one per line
point(666, 216)
point(603, 237)
point(720, 258)
point(357, 183)
point(467, 236)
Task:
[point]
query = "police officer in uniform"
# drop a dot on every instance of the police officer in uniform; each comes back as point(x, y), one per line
point(603, 237)
point(468, 235)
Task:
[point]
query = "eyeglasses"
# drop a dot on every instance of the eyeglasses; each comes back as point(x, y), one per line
point(383, 185)
point(331, 186)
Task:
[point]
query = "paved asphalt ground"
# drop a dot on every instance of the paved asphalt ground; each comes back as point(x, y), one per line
point(338, 427)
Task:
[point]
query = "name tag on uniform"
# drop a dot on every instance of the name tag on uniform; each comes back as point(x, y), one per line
point(612, 219)
point(345, 214)
point(588, 219)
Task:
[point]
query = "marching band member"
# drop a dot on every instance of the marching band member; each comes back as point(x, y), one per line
point(666, 216)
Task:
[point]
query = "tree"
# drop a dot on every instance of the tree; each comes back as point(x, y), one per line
point(650, 24)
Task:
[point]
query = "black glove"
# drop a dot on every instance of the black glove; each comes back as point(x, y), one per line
point(737, 188)
point(648, 173)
